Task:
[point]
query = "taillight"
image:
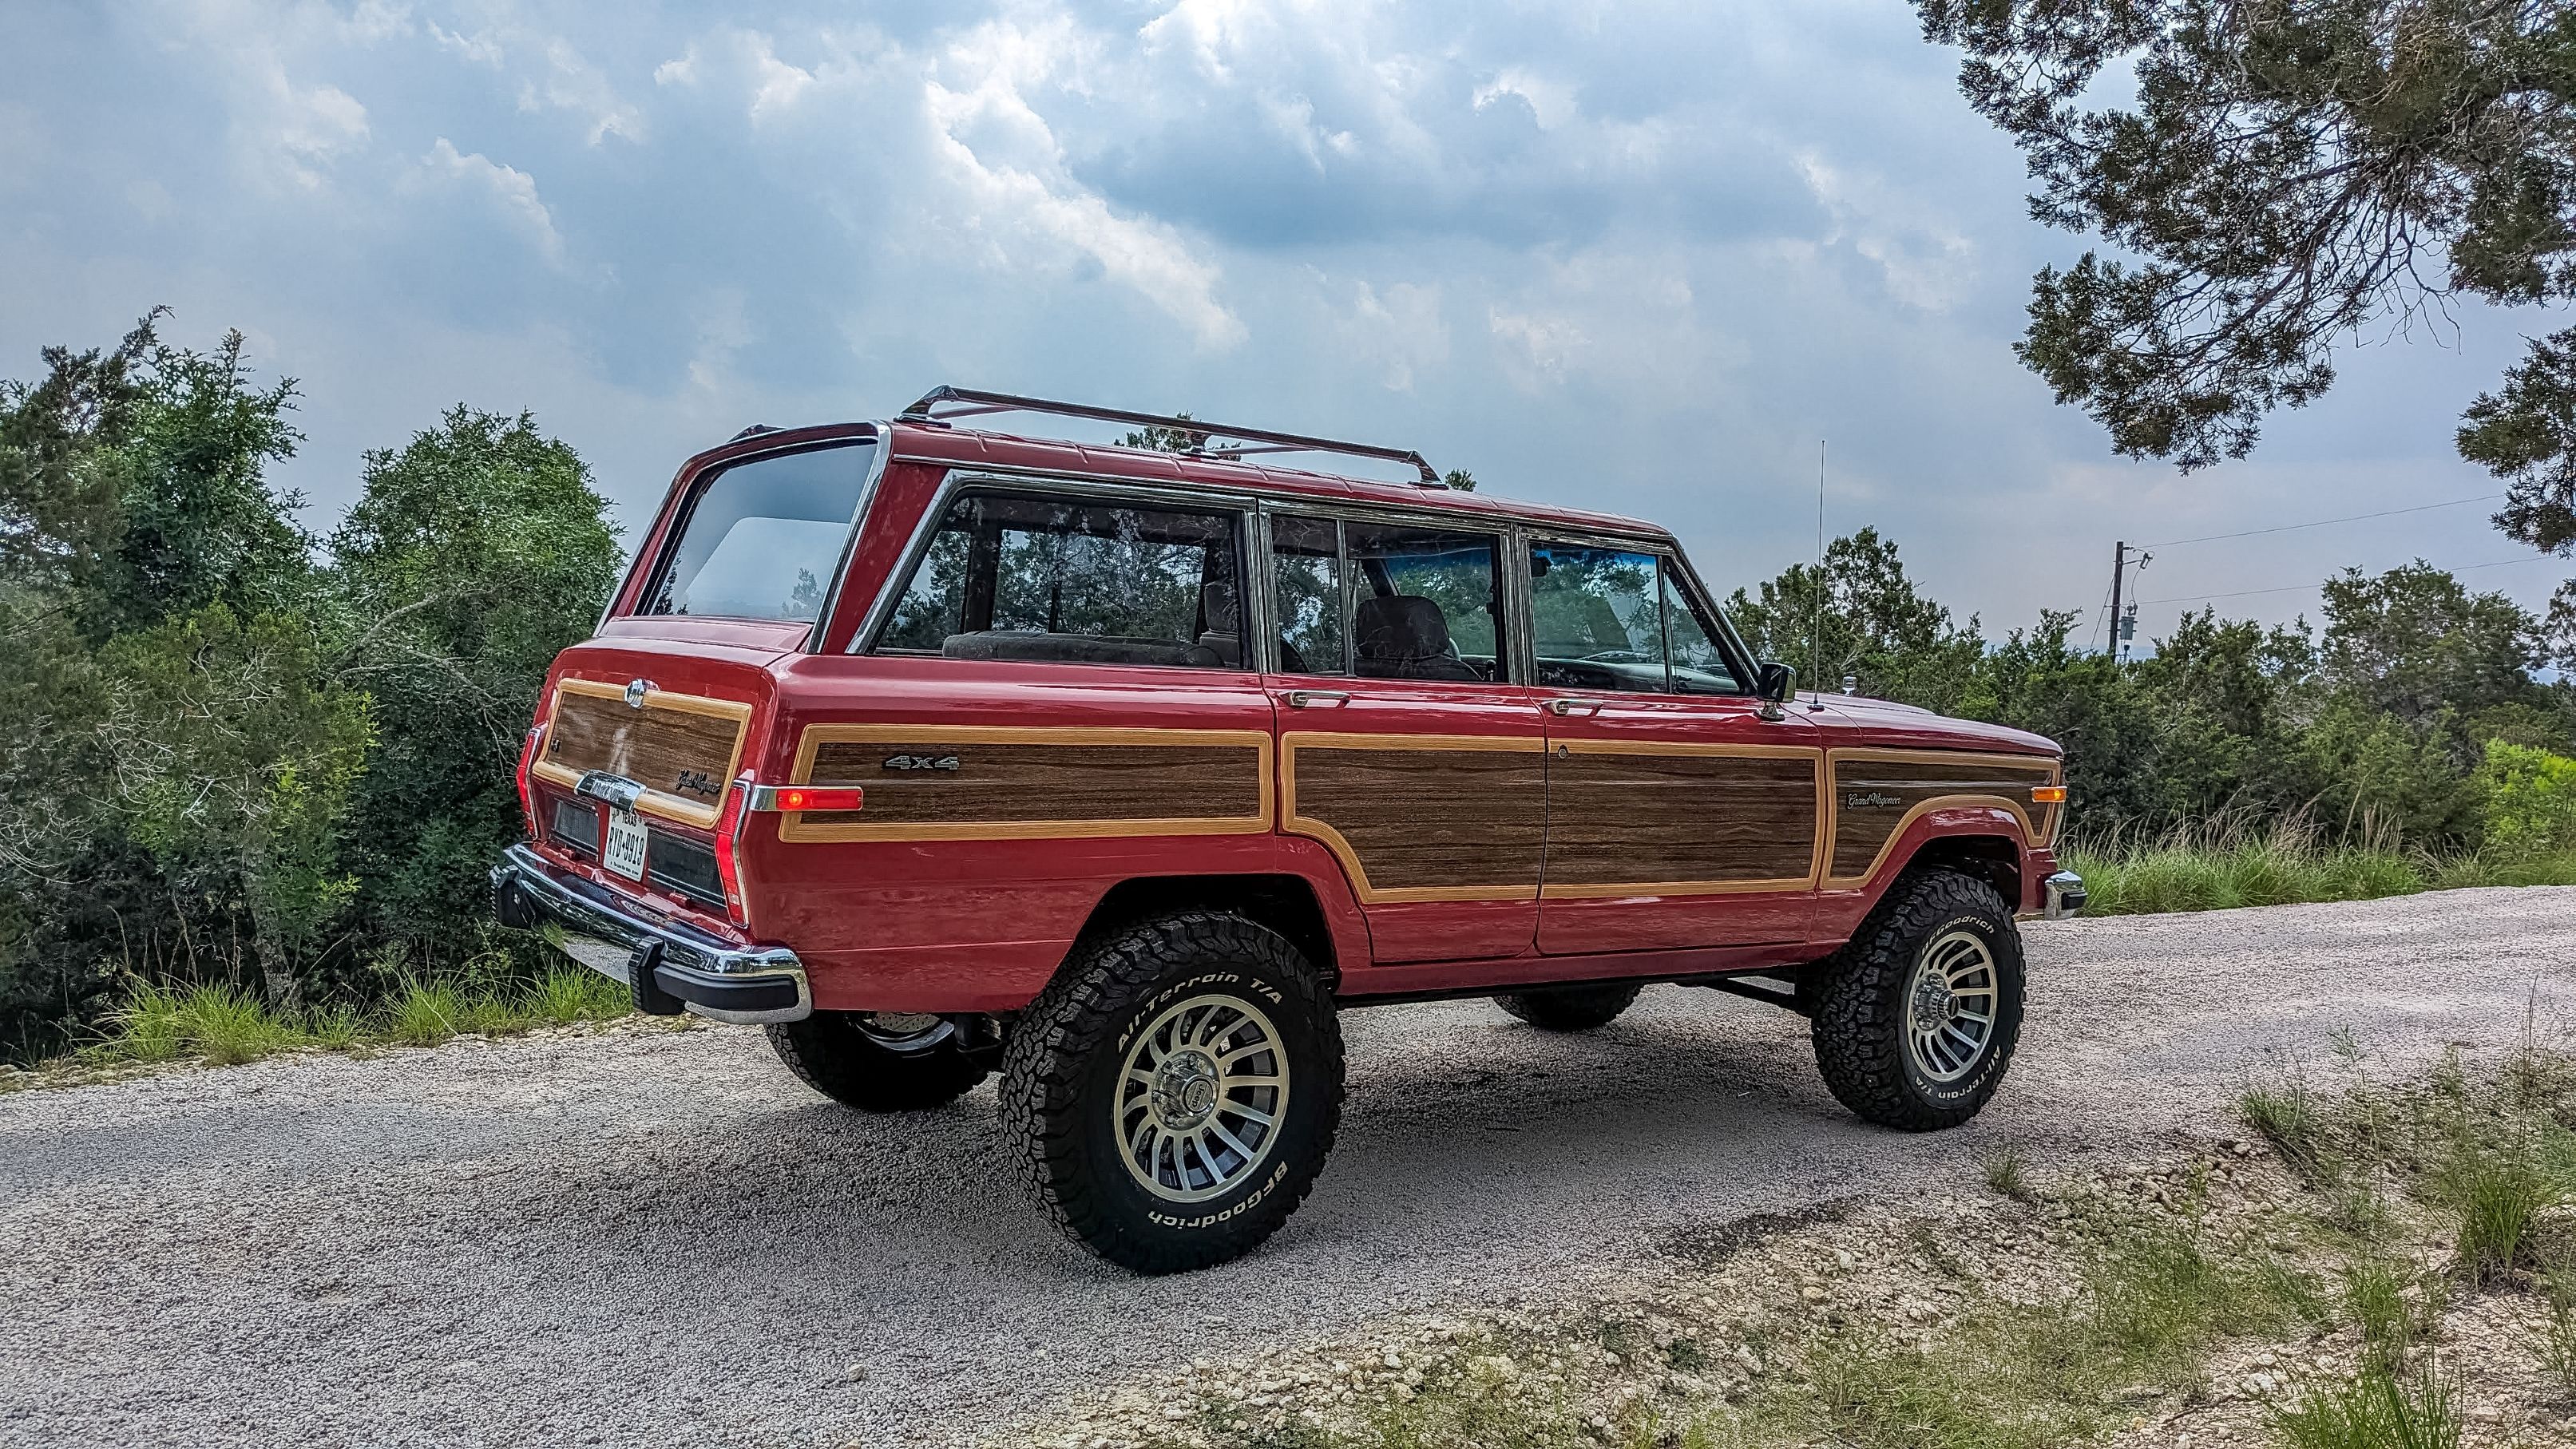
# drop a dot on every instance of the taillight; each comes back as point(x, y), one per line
point(527, 762)
point(728, 860)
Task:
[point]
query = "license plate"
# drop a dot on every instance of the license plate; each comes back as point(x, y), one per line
point(625, 852)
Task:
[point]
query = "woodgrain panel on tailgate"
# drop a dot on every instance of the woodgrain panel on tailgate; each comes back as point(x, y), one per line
point(682, 748)
point(1680, 819)
point(1423, 817)
point(1009, 782)
point(1878, 793)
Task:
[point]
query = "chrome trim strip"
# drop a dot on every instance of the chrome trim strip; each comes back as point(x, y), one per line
point(582, 912)
point(882, 444)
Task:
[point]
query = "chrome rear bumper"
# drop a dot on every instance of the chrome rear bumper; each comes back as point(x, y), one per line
point(668, 965)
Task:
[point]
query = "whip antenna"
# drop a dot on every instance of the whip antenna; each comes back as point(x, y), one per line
point(1816, 626)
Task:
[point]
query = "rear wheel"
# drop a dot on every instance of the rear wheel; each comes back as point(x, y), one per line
point(1569, 1008)
point(878, 1061)
point(1172, 1094)
point(1916, 1019)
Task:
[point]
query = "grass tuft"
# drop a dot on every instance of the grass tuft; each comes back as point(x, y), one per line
point(426, 1013)
point(2005, 1177)
point(2558, 1342)
point(2374, 1409)
point(2499, 1191)
point(2285, 1113)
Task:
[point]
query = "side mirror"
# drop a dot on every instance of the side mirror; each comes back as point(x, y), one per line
point(1773, 683)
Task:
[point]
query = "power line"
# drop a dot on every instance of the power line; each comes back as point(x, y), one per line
point(2295, 588)
point(2322, 522)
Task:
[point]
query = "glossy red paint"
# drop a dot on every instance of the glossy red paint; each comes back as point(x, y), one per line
point(980, 924)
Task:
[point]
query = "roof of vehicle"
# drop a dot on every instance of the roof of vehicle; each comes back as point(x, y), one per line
point(972, 447)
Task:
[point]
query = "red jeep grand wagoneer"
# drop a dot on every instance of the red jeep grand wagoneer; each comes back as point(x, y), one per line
point(940, 752)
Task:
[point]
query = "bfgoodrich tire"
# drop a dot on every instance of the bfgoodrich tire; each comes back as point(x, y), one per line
point(1569, 1008)
point(1172, 1094)
point(1916, 1019)
point(877, 1063)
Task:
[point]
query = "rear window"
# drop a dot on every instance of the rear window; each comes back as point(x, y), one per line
point(762, 538)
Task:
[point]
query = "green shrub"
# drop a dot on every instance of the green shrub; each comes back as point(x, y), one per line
point(2530, 802)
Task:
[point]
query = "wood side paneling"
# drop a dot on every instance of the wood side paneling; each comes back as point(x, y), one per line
point(1424, 818)
point(1876, 794)
point(1013, 782)
point(1634, 817)
point(682, 749)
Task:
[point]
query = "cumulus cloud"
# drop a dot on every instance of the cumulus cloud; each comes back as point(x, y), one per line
point(510, 192)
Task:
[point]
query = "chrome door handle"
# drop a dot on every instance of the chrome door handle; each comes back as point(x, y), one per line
point(1300, 698)
point(1569, 706)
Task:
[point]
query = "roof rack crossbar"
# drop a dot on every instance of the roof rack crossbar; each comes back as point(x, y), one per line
point(979, 404)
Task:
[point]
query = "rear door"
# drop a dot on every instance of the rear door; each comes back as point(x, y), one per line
point(1678, 816)
point(1404, 745)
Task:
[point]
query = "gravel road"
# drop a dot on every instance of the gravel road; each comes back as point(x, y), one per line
point(659, 1238)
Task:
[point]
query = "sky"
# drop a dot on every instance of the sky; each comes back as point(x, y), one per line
point(1650, 258)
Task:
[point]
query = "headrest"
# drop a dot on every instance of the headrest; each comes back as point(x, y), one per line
point(1401, 626)
point(1216, 604)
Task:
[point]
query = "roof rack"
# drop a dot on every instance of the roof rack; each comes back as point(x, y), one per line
point(977, 404)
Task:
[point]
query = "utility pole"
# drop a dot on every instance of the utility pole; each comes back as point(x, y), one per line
point(2119, 570)
point(2124, 622)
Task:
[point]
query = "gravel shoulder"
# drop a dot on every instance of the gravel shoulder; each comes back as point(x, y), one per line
point(661, 1237)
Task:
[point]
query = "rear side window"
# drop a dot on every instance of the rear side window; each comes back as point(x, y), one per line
point(1059, 580)
point(762, 538)
point(1428, 603)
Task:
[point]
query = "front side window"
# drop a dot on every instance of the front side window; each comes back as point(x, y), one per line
point(762, 538)
point(1618, 619)
point(1596, 620)
point(1428, 605)
point(1053, 580)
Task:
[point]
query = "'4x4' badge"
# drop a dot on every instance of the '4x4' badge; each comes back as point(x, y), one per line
point(921, 762)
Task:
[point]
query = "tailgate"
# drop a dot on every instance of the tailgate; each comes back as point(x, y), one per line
point(682, 748)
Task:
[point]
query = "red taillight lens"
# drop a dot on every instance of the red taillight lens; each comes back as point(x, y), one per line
point(808, 797)
point(527, 762)
point(728, 860)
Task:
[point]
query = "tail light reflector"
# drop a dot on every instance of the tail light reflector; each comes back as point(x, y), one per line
point(728, 840)
point(527, 797)
point(808, 797)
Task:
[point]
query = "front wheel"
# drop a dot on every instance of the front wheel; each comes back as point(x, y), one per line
point(1172, 1094)
point(1916, 1019)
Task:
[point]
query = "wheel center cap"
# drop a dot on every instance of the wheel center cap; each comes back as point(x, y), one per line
point(1185, 1089)
point(1935, 1001)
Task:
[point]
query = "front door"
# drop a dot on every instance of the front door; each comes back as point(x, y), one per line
point(1403, 744)
point(1678, 816)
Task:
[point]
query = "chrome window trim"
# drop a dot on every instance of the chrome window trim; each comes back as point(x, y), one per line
point(882, 437)
point(959, 481)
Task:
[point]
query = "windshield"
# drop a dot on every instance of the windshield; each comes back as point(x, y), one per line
point(762, 538)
